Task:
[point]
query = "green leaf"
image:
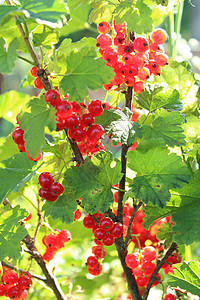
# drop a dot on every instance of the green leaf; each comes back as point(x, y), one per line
point(8, 57)
point(63, 208)
point(93, 180)
point(179, 75)
point(84, 72)
point(184, 209)
point(8, 148)
point(98, 10)
point(11, 233)
point(157, 172)
point(33, 122)
point(6, 13)
point(10, 30)
point(78, 20)
point(165, 233)
point(108, 117)
point(153, 213)
point(136, 13)
point(117, 123)
point(14, 172)
point(166, 125)
point(9, 108)
point(47, 12)
point(44, 36)
point(186, 213)
point(187, 277)
point(157, 96)
point(66, 47)
point(73, 4)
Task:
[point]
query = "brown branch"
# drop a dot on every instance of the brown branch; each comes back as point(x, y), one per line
point(75, 149)
point(51, 280)
point(20, 270)
point(130, 278)
point(124, 150)
point(128, 236)
point(169, 252)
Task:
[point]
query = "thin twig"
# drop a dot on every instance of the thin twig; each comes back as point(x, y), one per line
point(20, 270)
point(40, 219)
point(169, 252)
point(124, 150)
point(128, 236)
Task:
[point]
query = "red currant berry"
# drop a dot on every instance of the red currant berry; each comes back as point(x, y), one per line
point(99, 233)
point(9, 277)
point(34, 71)
point(71, 121)
point(159, 36)
point(95, 132)
point(87, 119)
point(14, 292)
point(46, 179)
point(92, 262)
point(37, 158)
point(3, 290)
point(132, 260)
point(99, 251)
point(138, 87)
point(108, 86)
point(24, 282)
point(148, 268)
point(108, 240)
point(77, 133)
point(76, 108)
point(57, 188)
point(141, 45)
point(98, 242)
point(65, 235)
point(64, 109)
point(95, 108)
point(170, 297)
point(53, 97)
point(21, 148)
point(47, 194)
point(88, 222)
point(117, 230)
point(149, 253)
point(18, 136)
point(23, 295)
point(49, 254)
point(104, 41)
point(95, 271)
point(77, 215)
point(106, 223)
point(141, 281)
point(103, 27)
point(38, 83)
point(60, 125)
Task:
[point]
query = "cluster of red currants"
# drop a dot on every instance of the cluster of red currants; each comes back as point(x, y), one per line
point(18, 137)
point(37, 82)
point(142, 266)
point(132, 59)
point(105, 234)
point(78, 120)
point(50, 190)
point(54, 242)
point(13, 286)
